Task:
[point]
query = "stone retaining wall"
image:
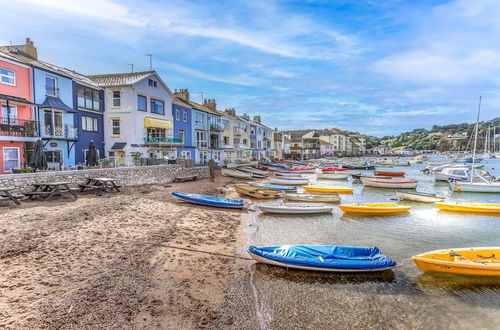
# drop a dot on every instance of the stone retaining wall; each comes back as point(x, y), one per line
point(126, 176)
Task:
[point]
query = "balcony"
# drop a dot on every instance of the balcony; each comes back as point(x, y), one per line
point(217, 127)
point(18, 127)
point(67, 132)
point(162, 141)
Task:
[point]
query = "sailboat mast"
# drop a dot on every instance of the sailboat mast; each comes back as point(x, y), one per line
point(475, 141)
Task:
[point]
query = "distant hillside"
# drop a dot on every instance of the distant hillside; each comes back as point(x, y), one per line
point(456, 137)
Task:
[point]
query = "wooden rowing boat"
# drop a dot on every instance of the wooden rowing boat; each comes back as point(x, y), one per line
point(418, 197)
point(313, 198)
point(374, 208)
point(333, 176)
point(236, 174)
point(388, 173)
point(257, 192)
point(481, 261)
point(469, 207)
point(389, 183)
point(289, 181)
point(296, 208)
point(328, 189)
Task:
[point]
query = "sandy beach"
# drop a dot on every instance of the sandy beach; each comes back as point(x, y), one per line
point(122, 260)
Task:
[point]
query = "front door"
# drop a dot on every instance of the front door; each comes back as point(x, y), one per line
point(120, 159)
point(54, 159)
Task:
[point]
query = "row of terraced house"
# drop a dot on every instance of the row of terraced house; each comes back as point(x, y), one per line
point(126, 115)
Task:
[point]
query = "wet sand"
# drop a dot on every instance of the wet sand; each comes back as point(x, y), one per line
point(119, 261)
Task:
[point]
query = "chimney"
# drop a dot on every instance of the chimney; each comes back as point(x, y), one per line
point(256, 119)
point(245, 116)
point(28, 49)
point(210, 103)
point(230, 112)
point(182, 94)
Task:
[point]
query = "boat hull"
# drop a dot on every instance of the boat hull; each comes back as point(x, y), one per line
point(275, 187)
point(374, 208)
point(284, 209)
point(257, 192)
point(391, 174)
point(475, 187)
point(387, 184)
point(328, 190)
point(290, 181)
point(313, 198)
point(333, 176)
point(418, 197)
point(469, 207)
point(209, 200)
point(236, 174)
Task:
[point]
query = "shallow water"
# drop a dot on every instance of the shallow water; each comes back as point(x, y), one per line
point(399, 298)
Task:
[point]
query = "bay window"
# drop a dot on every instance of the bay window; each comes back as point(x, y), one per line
point(201, 139)
point(88, 98)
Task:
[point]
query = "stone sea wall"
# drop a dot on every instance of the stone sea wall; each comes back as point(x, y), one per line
point(126, 176)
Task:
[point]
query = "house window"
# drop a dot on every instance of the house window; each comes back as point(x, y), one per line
point(116, 126)
point(142, 103)
point(157, 107)
point(226, 140)
point(185, 115)
point(259, 145)
point(226, 123)
point(89, 124)
point(245, 141)
point(53, 156)
point(186, 154)
point(7, 77)
point(252, 130)
point(9, 115)
point(181, 135)
point(10, 159)
point(216, 156)
point(177, 114)
point(201, 139)
point(50, 86)
point(88, 98)
point(199, 118)
point(152, 82)
point(116, 99)
point(154, 133)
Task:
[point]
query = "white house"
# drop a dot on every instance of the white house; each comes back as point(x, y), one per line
point(137, 117)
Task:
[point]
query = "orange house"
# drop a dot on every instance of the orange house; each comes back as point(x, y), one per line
point(18, 128)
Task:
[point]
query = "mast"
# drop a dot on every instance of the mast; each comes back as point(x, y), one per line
point(475, 141)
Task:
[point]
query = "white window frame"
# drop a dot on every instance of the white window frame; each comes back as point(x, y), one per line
point(5, 159)
point(12, 107)
point(201, 142)
point(185, 115)
point(55, 85)
point(8, 77)
point(85, 127)
point(182, 134)
point(119, 98)
point(177, 114)
point(113, 120)
point(140, 95)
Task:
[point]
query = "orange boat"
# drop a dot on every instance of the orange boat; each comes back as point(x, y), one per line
point(387, 173)
point(332, 169)
point(302, 169)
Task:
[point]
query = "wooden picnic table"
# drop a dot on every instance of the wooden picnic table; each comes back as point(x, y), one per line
point(50, 189)
point(100, 184)
point(5, 194)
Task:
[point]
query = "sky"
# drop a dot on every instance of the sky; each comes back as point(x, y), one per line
point(379, 67)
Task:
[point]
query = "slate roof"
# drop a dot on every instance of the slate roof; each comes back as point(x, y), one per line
point(180, 101)
point(53, 102)
point(15, 99)
point(118, 145)
point(120, 79)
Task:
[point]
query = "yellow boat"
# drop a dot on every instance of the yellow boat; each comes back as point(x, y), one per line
point(257, 192)
point(328, 189)
point(483, 261)
point(469, 207)
point(374, 208)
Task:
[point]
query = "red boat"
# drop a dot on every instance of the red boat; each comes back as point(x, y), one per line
point(302, 169)
point(386, 173)
point(332, 169)
point(261, 167)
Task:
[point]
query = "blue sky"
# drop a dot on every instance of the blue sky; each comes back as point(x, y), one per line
point(375, 66)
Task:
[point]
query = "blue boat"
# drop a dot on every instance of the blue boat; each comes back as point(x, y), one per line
point(326, 258)
point(209, 200)
point(276, 165)
point(274, 187)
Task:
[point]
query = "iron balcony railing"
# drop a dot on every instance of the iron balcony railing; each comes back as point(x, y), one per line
point(65, 132)
point(218, 127)
point(165, 140)
point(18, 127)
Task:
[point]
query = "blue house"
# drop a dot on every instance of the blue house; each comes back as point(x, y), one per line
point(182, 117)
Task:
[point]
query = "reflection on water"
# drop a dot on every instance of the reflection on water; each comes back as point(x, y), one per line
point(405, 295)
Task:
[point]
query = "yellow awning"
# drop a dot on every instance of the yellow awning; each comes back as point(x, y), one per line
point(157, 123)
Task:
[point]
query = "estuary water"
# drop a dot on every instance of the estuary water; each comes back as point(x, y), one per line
point(401, 298)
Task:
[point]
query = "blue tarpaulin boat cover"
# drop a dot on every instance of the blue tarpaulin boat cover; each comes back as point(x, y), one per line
point(326, 256)
point(209, 200)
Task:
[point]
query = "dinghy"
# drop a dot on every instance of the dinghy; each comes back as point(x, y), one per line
point(416, 196)
point(389, 183)
point(274, 187)
point(333, 176)
point(252, 171)
point(326, 258)
point(289, 181)
point(328, 189)
point(333, 169)
point(257, 192)
point(387, 173)
point(374, 208)
point(303, 169)
point(296, 208)
point(483, 187)
point(313, 198)
point(469, 207)
point(236, 174)
point(289, 174)
point(209, 200)
point(482, 261)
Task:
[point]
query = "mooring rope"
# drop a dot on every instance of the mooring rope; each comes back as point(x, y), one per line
point(206, 252)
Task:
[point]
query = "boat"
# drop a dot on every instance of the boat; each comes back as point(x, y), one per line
point(360, 167)
point(453, 173)
point(296, 208)
point(483, 187)
point(313, 198)
point(209, 200)
point(236, 174)
point(289, 181)
point(387, 173)
point(253, 171)
point(326, 258)
point(333, 176)
point(374, 208)
point(303, 169)
point(389, 183)
point(275, 165)
point(416, 196)
point(294, 174)
point(328, 189)
point(435, 163)
point(274, 187)
point(333, 169)
point(480, 261)
point(469, 207)
point(257, 192)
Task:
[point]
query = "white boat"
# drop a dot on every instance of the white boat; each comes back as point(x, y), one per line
point(296, 208)
point(288, 174)
point(389, 183)
point(312, 198)
point(236, 174)
point(418, 197)
point(435, 163)
point(454, 173)
point(333, 176)
point(485, 186)
point(252, 170)
point(293, 181)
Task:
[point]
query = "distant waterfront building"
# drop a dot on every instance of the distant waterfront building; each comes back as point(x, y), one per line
point(183, 128)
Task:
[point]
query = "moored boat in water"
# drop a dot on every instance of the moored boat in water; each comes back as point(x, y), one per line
point(479, 261)
point(387, 173)
point(312, 198)
point(289, 181)
point(389, 183)
point(333, 176)
point(209, 200)
point(416, 196)
point(328, 189)
point(327, 258)
point(374, 208)
point(296, 208)
point(469, 207)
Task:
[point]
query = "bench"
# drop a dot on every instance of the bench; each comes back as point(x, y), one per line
point(185, 178)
